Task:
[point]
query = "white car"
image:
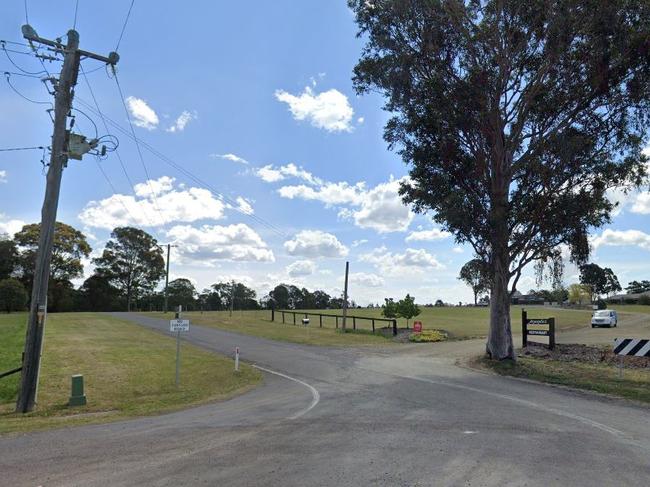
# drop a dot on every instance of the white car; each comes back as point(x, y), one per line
point(604, 317)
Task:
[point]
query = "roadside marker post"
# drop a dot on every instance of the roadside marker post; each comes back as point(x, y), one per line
point(634, 347)
point(178, 325)
point(236, 359)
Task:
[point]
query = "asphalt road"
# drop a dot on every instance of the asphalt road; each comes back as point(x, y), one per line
point(402, 417)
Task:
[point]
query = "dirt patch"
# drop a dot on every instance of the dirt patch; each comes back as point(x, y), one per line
point(584, 353)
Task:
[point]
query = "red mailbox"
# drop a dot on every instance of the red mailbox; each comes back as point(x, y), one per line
point(417, 326)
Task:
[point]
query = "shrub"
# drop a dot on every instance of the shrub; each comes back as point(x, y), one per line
point(428, 336)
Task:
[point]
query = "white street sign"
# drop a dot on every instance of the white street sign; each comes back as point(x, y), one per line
point(179, 325)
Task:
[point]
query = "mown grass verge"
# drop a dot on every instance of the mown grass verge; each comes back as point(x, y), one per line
point(598, 377)
point(128, 371)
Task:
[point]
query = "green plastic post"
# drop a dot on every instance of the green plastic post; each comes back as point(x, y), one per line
point(77, 398)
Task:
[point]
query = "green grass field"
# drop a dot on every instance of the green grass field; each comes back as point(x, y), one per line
point(630, 308)
point(258, 323)
point(128, 371)
point(460, 323)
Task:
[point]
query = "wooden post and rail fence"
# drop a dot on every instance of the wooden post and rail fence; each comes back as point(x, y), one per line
point(306, 314)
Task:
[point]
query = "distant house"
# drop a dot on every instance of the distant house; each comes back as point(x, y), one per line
point(518, 298)
point(632, 298)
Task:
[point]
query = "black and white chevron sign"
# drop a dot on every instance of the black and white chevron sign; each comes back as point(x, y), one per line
point(632, 346)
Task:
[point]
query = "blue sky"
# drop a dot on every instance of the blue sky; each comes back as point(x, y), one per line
point(255, 99)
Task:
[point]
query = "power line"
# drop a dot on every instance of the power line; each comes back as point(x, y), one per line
point(21, 148)
point(7, 76)
point(137, 145)
point(187, 173)
point(6, 51)
point(101, 115)
point(126, 20)
point(13, 73)
point(110, 183)
point(26, 16)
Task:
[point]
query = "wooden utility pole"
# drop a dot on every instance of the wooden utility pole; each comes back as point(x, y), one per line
point(167, 278)
point(345, 296)
point(58, 161)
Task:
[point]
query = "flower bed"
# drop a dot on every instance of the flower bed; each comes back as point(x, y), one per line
point(428, 336)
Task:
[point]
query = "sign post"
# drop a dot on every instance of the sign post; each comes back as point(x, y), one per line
point(526, 331)
point(178, 325)
point(236, 359)
point(417, 327)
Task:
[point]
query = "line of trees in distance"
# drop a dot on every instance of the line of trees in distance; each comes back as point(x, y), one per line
point(127, 276)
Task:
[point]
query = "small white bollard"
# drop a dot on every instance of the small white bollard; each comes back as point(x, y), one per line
point(236, 359)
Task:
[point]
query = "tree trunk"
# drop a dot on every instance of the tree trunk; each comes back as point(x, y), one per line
point(128, 297)
point(499, 344)
point(475, 298)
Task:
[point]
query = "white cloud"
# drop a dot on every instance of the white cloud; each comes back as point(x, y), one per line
point(368, 280)
point(175, 205)
point(10, 227)
point(622, 238)
point(360, 120)
point(209, 244)
point(301, 268)
point(231, 157)
point(457, 250)
point(182, 121)
point(328, 193)
point(356, 243)
point(382, 209)
point(272, 174)
point(3, 176)
point(154, 186)
point(412, 261)
point(244, 206)
point(143, 115)
point(314, 244)
point(642, 204)
point(427, 235)
point(329, 110)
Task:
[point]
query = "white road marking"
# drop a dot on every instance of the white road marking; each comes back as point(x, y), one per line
point(314, 392)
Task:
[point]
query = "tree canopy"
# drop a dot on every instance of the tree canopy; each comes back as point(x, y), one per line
point(132, 261)
point(407, 309)
point(600, 280)
point(636, 287)
point(8, 256)
point(13, 296)
point(515, 117)
point(476, 274)
point(69, 247)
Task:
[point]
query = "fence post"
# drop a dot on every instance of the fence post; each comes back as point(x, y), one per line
point(294, 317)
point(524, 328)
point(320, 318)
point(283, 317)
point(394, 327)
point(354, 322)
point(272, 314)
point(373, 325)
point(336, 319)
point(551, 336)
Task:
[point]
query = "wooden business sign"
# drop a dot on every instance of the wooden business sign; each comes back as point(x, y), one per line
point(546, 329)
